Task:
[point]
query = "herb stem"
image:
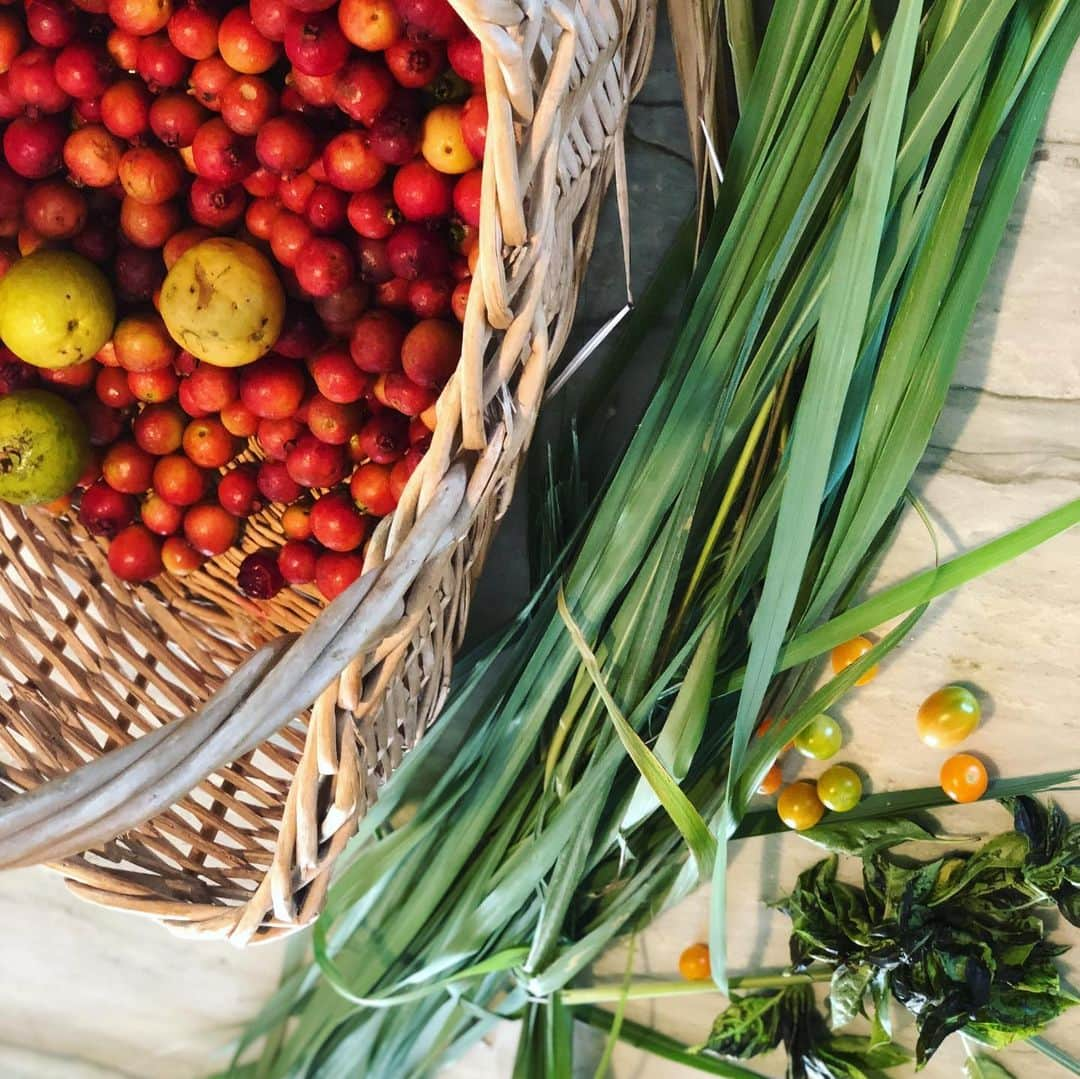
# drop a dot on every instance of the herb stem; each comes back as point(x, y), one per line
point(1058, 1056)
point(653, 989)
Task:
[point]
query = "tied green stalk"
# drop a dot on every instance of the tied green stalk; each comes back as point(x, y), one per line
point(555, 806)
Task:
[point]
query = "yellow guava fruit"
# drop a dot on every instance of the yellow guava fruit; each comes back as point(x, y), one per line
point(223, 303)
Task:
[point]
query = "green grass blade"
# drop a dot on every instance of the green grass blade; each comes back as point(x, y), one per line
point(836, 348)
point(682, 812)
point(660, 1045)
point(922, 588)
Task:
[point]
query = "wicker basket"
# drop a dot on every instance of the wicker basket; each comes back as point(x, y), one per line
point(203, 760)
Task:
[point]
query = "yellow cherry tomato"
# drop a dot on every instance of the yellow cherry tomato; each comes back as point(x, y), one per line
point(844, 655)
point(799, 806)
point(839, 788)
point(820, 738)
point(947, 717)
point(694, 963)
point(964, 778)
point(770, 782)
point(442, 143)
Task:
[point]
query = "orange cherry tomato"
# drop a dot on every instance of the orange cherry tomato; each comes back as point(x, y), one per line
point(799, 806)
point(844, 655)
point(964, 778)
point(694, 963)
point(947, 717)
point(770, 782)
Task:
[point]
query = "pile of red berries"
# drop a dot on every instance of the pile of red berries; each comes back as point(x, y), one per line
point(343, 139)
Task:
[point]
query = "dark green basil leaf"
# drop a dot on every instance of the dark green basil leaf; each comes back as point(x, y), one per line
point(1012, 1014)
point(881, 1023)
point(863, 837)
point(1006, 851)
point(748, 1026)
point(849, 985)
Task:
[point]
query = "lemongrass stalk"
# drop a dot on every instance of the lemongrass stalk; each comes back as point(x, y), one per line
point(659, 989)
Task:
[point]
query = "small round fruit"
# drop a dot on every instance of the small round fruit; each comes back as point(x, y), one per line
point(383, 439)
point(314, 43)
point(335, 571)
point(208, 444)
point(135, 554)
point(947, 717)
point(331, 422)
point(377, 341)
point(363, 89)
point(273, 389)
point(415, 63)
point(34, 148)
point(210, 529)
point(161, 517)
point(242, 46)
point(297, 561)
point(154, 387)
point(799, 806)
point(151, 174)
point(474, 125)
point(214, 206)
point(105, 512)
point(296, 521)
point(285, 145)
point(55, 210)
point(223, 303)
point(442, 142)
point(312, 463)
point(142, 343)
point(337, 524)
point(125, 109)
point(238, 492)
point(178, 480)
point(371, 25)
point(402, 470)
point(275, 483)
point(179, 558)
point(820, 739)
point(324, 266)
point(337, 378)
point(193, 30)
point(351, 164)
point(277, 437)
point(964, 778)
point(259, 576)
point(422, 193)
point(111, 386)
point(159, 429)
point(44, 446)
point(843, 655)
point(466, 57)
point(694, 964)
point(127, 468)
point(430, 352)
point(56, 309)
point(148, 225)
point(772, 781)
point(239, 420)
point(839, 788)
point(415, 251)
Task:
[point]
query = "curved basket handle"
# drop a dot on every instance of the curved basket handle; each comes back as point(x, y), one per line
point(126, 787)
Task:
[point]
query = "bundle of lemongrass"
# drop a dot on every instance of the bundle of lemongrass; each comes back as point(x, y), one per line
point(597, 758)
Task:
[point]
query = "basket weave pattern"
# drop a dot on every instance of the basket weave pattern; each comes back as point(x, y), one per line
point(89, 665)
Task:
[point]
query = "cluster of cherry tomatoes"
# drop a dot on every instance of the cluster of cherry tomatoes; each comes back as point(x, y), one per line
point(944, 720)
point(344, 140)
